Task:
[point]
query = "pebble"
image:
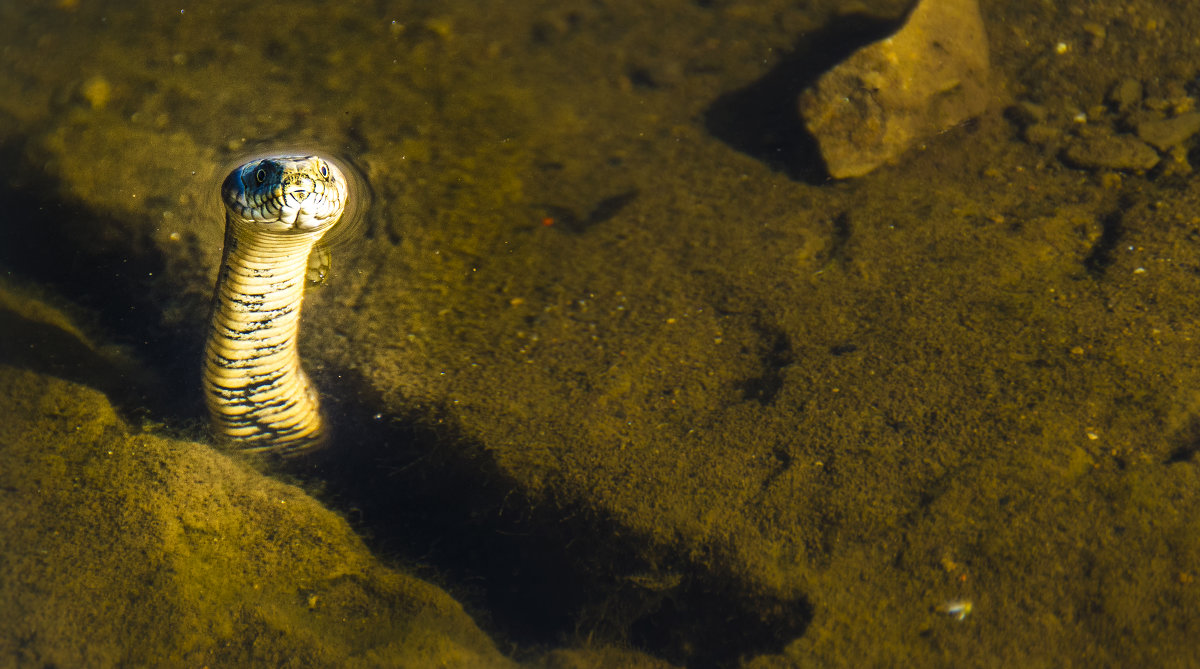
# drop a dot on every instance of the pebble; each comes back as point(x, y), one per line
point(1042, 134)
point(1170, 132)
point(1114, 152)
point(97, 91)
point(1126, 95)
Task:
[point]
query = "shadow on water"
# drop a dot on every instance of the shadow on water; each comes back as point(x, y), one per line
point(534, 575)
point(119, 280)
point(48, 349)
point(762, 120)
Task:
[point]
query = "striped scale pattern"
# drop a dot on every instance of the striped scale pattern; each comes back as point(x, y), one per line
point(258, 395)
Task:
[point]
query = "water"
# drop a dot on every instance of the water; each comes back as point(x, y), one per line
point(609, 361)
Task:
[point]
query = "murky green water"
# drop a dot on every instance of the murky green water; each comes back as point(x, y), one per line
point(617, 377)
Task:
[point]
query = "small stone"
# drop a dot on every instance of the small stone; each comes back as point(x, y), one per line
point(97, 91)
point(1097, 31)
point(1028, 113)
point(1116, 152)
point(1042, 134)
point(1126, 95)
point(1170, 132)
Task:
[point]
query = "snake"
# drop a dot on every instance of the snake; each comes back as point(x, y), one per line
point(258, 396)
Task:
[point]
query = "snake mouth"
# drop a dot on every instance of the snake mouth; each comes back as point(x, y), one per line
point(303, 204)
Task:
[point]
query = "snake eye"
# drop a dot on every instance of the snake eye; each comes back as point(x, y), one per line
point(261, 175)
point(324, 170)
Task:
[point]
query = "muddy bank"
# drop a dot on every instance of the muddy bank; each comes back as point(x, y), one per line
point(124, 548)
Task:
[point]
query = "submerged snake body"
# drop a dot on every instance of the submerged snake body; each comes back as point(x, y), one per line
point(276, 210)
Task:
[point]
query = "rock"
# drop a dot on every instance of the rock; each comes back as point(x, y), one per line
point(1115, 152)
point(1126, 95)
point(1042, 134)
point(1028, 113)
point(929, 76)
point(1167, 133)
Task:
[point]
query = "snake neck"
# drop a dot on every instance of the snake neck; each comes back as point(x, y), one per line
point(256, 391)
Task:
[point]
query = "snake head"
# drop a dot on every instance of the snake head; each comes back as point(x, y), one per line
point(286, 193)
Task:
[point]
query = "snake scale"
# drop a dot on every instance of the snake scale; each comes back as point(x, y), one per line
point(276, 210)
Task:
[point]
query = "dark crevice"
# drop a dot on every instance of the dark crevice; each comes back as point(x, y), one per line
point(1185, 444)
point(1183, 453)
point(775, 354)
point(1101, 254)
point(840, 237)
point(842, 349)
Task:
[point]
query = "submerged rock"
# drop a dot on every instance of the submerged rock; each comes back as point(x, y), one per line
point(929, 76)
point(1113, 152)
point(128, 549)
point(1165, 134)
